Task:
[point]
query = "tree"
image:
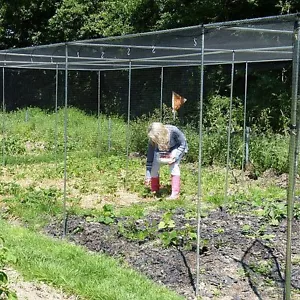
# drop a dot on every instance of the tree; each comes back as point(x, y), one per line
point(25, 22)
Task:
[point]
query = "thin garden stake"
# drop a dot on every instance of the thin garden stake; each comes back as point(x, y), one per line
point(247, 142)
point(245, 116)
point(26, 115)
point(199, 166)
point(98, 115)
point(229, 127)
point(109, 133)
point(128, 123)
point(293, 157)
point(56, 114)
point(3, 116)
point(65, 144)
point(161, 93)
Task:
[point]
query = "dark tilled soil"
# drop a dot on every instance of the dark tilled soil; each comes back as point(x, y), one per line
point(236, 261)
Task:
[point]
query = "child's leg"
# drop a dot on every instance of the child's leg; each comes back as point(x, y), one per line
point(174, 168)
point(155, 173)
point(175, 177)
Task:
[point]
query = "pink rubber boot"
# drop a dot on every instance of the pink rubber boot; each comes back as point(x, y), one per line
point(154, 184)
point(175, 187)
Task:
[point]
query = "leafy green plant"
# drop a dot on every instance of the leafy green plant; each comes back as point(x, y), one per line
point(167, 221)
point(189, 236)
point(5, 257)
point(132, 230)
point(263, 267)
point(107, 215)
point(171, 238)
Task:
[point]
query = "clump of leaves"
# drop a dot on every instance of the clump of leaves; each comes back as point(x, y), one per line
point(169, 236)
point(108, 215)
point(167, 222)
point(5, 257)
point(275, 211)
point(137, 230)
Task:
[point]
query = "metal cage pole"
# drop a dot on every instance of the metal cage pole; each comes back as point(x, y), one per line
point(56, 114)
point(3, 116)
point(199, 193)
point(161, 93)
point(229, 126)
point(109, 130)
point(98, 114)
point(293, 157)
point(128, 121)
point(245, 116)
point(65, 217)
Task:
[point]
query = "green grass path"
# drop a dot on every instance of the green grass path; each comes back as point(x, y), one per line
point(75, 270)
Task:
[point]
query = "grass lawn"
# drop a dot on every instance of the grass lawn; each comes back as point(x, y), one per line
point(76, 271)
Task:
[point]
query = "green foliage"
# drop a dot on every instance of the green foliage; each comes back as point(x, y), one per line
point(269, 152)
point(37, 137)
point(108, 215)
point(164, 231)
point(263, 267)
point(216, 116)
point(36, 206)
point(170, 238)
point(139, 139)
point(136, 231)
point(167, 221)
point(34, 22)
point(25, 23)
point(44, 133)
point(87, 19)
point(5, 258)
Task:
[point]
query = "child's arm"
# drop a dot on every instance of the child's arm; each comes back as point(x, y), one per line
point(181, 143)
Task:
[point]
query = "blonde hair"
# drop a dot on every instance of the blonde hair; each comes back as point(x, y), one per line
point(159, 135)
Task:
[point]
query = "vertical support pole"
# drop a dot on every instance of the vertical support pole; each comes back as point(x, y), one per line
point(293, 157)
point(229, 127)
point(65, 144)
point(161, 93)
point(247, 142)
point(128, 122)
point(98, 114)
point(199, 193)
point(109, 133)
point(26, 115)
point(56, 114)
point(245, 158)
point(3, 116)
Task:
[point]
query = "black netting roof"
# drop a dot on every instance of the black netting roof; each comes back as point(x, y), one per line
point(253, 40)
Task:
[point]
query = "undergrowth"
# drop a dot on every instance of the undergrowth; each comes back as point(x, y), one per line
point(41, 137)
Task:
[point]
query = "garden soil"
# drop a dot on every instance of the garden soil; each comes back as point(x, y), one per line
point(236, 261)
